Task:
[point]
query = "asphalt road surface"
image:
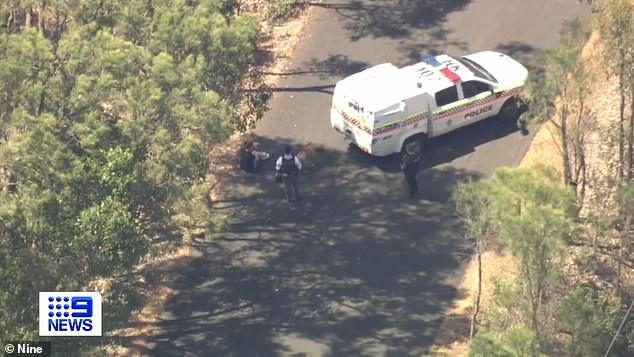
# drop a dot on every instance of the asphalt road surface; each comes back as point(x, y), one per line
point(356, 269)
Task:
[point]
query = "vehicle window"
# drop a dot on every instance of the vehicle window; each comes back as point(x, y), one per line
point(478, 70)
point(473, 88)
point(447, 96)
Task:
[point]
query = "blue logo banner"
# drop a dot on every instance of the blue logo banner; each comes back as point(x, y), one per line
point(70, 313)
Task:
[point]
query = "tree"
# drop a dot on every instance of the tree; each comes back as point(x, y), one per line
point(485, 344)
point(559, 97)
point(515, 342)
point(23, 67)
point(108, 110)
point(615, 23)
point(474, 203)
point(625, 201)
point(522, 341)
point(587, 321)
point(280, 10)
point(532, 214)
point(535, 218)
point(107, 239)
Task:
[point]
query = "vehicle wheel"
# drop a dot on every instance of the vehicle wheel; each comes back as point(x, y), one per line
point(417, 141)
point(510, 110)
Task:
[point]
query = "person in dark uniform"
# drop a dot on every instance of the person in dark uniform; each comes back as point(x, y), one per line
point(410, 164)
point(250, 156)
point(247, 158)
point(288, 168)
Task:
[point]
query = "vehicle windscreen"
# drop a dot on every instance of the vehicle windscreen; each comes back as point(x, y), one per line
point(478, 70)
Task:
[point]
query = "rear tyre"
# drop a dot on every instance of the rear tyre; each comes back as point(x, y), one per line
point(416, 141)
point(510, 110)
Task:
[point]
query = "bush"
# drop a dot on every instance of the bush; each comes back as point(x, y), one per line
point(590, 322)
point(280, 10)
point(514, 342)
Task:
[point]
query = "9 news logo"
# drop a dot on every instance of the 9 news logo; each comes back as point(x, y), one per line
point(70, 314)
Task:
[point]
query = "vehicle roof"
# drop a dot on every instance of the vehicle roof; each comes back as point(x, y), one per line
point(385, 85)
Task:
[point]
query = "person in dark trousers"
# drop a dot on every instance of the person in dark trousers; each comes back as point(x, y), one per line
point(247, 159)
point(288, 168)
point(250, 157)
point(410, 164)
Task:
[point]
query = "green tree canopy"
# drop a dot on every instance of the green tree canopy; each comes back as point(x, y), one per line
point(108, 110)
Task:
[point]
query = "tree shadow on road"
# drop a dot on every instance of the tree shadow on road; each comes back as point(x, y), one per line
point(389, 18)
point(332, 67)
point(335, 65)
point(521, 52)
point(324, 89)
point(354, 269)
point(437, 44)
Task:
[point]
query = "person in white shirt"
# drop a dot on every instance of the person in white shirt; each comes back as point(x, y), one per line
point(259, 155)
point(288, 167)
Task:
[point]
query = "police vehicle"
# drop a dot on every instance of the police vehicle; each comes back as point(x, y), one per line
point(384, 108)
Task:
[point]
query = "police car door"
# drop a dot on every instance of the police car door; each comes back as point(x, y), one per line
point(478, 97)
point(449, 113)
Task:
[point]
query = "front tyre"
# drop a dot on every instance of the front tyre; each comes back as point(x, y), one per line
point(510, 110)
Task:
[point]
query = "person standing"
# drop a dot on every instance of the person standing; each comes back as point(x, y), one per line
point(288, 168)
point(410, 164)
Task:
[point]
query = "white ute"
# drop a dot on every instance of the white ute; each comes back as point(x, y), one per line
point(383, 108)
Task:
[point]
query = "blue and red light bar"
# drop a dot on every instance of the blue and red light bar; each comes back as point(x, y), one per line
point(431, 60)
point(450, 75)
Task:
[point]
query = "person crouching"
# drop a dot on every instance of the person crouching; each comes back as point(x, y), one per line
point(250, 156)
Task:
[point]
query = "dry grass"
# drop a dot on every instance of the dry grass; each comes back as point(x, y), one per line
point(150, 286)
point(222, 166)
point(453, 337)
point(543, 149)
